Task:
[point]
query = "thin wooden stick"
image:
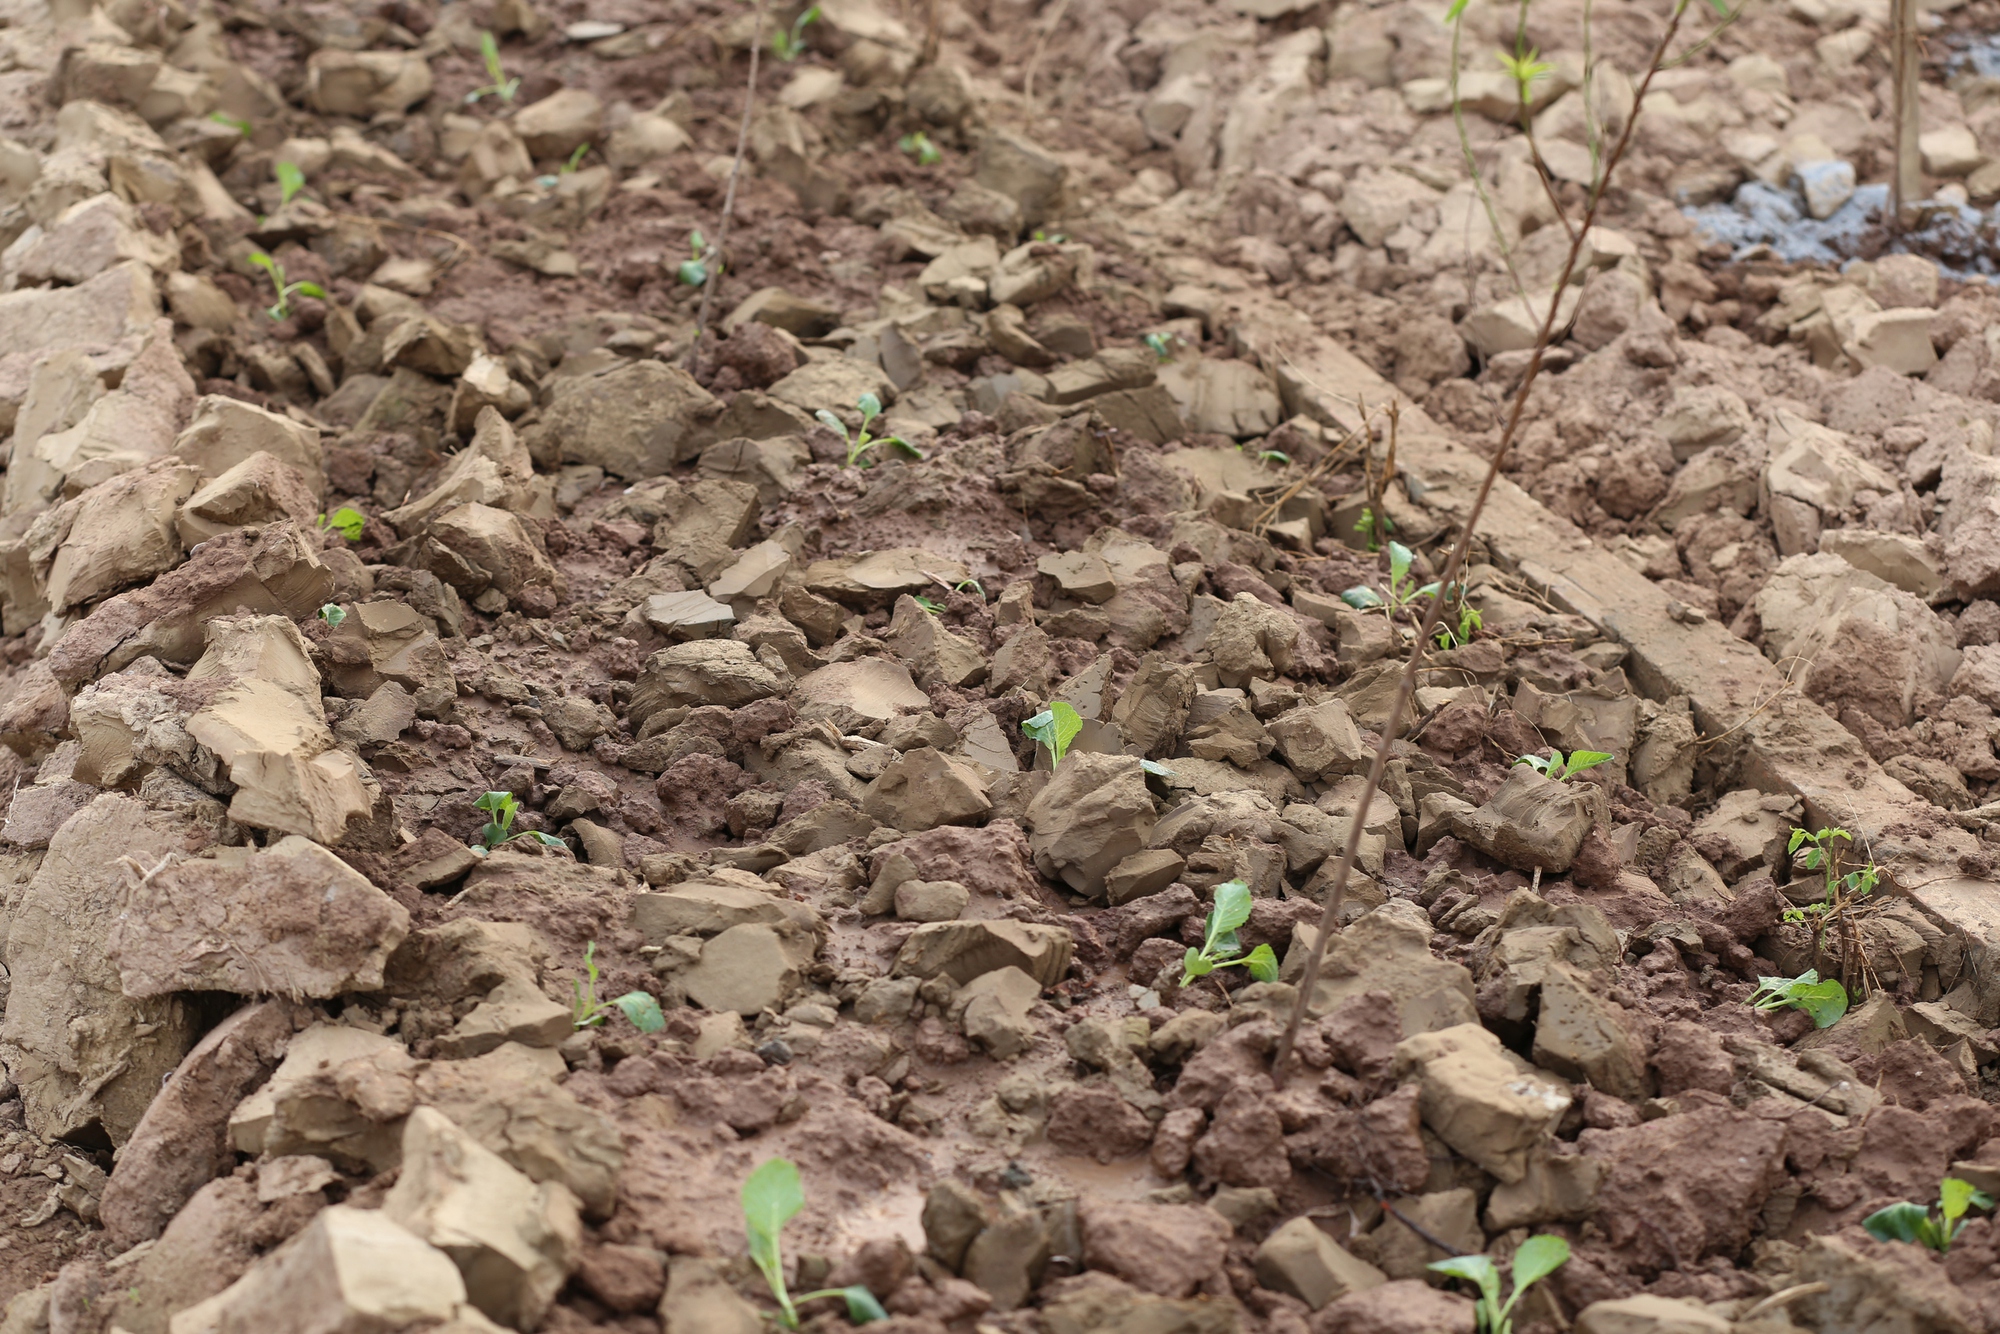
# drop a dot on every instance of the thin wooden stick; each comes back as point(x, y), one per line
point(1908, 181)
point(729, 195)
point(1406, 687)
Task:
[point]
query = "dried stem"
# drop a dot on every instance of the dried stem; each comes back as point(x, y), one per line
point(729, 195)
point(1406, 687)
point(1908, 182)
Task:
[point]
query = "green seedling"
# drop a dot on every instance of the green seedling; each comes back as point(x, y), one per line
point(586, 1011)
point(1824, 1001)
point(1554, 765)
point(1055, 727)
point(1155, 768)
point(1374, 528)
point(501, 808)
point(236, 123)
point(333, 614)
point(1915, 1224)
point(1821, 855)
point(1277, 456)
point(1401, 592)
point(919, 146)
point(290, 181)
point(1053, 238)
point(1525, 70)
point(861, 441)
point(788, 44)
point(286, 291)
point(347, 521)
point(498, 85)
point(1537, 1258)
point(1470, 623)
point(694, 270)
point(972, 586)
point(576, 158)
point(1219, 946)
point(771, 1195)
point(1162, 345)
point(1845, 894)
point(931, 605)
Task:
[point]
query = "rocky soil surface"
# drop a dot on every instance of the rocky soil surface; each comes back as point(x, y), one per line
point(366, 465)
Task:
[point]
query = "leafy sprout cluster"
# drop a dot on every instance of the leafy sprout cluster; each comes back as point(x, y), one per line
point(1555, 765)
point(1936, 1227)
point(861, 441)
point(919, 146)
point(1055, 727)
point(347, 521)
point(1402, 590)
point(1535, 1260)
point(694, 270)
point(501, 808)
point(1372, 528)
point(586, 1011)
point(1844, 896)
point(282, 307)
point(497, 83)
point(788, 44)
point(1220, 947)
point(771, 1196)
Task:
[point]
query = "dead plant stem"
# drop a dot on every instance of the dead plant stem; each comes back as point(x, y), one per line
point(1406, 686)
point(729, 195)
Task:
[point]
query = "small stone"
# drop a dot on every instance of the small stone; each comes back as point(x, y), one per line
point(1304, 1262)
point(931, 900)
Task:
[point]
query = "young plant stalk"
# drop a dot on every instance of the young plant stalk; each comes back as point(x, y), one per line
point(1537, 1258)
point(1407, 684)
point(1219, 946)
point(771, 1195)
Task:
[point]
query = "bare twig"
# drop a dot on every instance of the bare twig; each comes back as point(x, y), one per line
point(1041, 46)
point(1908, 182)
point(1783, 1297)
point(729, 195)
point(1406, 686)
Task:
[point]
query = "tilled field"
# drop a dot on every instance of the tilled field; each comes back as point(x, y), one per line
point(487, 769)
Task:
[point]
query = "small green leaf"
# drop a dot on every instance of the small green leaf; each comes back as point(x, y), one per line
point(902, 446)
point(1193, 965)
point(495, 802)
point(1155, 768)
point(870, 406)
point(1457, 10)
point(236, 123)
point(1902, 1221)
point(861, 1304)
point(1232, 908)
point(692, 272)
point(1579, 760)
point(1476, 1269)
point(349, 522)
point(1262, 964)
point(1537, 1258)
point(1361, 597)
point(1400, 558)
point(313, 290)
point(547, 840)
point(264, 262)
point(832, 423)
point(333, 614)
point(643, 1010)
point(771, 1196)
point(1721, 8)
point(290, 181)
point(928, 604)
